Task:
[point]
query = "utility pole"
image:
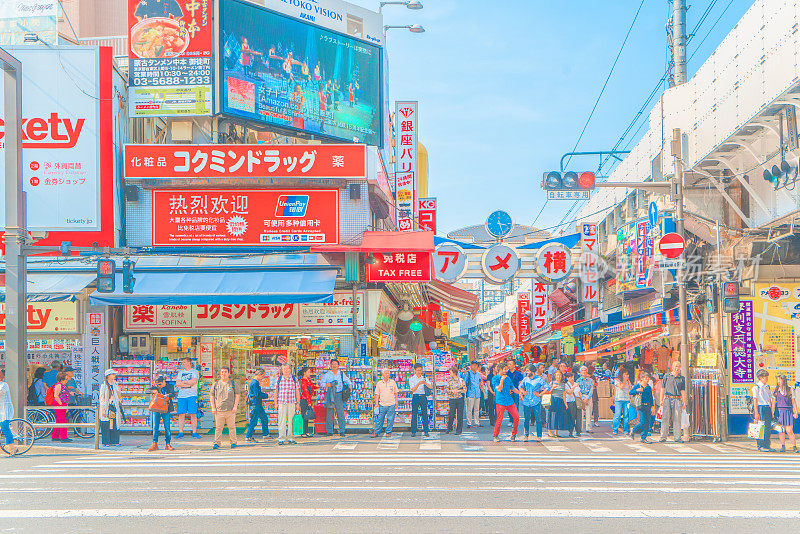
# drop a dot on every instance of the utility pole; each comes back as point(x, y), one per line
point(679, 41)
point(16, 232)
point(677, 181)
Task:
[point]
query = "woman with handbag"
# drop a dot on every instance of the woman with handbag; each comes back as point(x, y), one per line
point(110, 410)
point(785, 412)
point(307, 391)
point(622, 398)
point(557, 416)
point(642, 398)
point(161, 405)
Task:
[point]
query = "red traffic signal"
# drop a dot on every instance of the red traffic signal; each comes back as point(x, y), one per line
point(586, 180)
point(568, 181)
point(105, 267)
point(731, 289)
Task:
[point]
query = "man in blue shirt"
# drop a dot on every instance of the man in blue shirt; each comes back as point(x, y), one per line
point(255, 400)
point(532, 388)
point(504, 387)
point(553, 367)
point(49, 377)
point(472, 378)
point(334, 381)
point(586, 385)
point(516, 378)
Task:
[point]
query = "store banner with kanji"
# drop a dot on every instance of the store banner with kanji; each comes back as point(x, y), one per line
point(400, 267)
point(169, 58)
point(245, 161)
point(406, 160)
point(94, 349)
point(540, 307)
point(232, 217)
point(426, 210)
point(589, 264)
point(524, 316)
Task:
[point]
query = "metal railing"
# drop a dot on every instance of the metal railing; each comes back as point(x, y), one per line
point(51, 425)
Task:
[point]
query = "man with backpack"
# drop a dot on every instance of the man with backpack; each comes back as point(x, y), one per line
point(255, 400)
point(50, 377)
point(37, 390)
point(337, 392)
point(287, 402)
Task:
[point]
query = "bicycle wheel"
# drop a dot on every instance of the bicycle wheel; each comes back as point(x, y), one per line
point(84, 416)
point(23, 435)
point(41, 416)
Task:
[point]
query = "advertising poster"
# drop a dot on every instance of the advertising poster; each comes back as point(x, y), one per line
point(336, 15)
point(401, 267)
point(242, 161)
point(47, 317)
point(281, 71)
point(231, 217)
point(169, 59)
point(589, 273)
point(21, 17)
point(406, 163)
point(61, 138)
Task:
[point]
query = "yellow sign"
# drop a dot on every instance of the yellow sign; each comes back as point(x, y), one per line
point(776, 313)
point(707, 359)
point(47, 317)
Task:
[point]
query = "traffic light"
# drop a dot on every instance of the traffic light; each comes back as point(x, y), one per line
point(105, 275)
point(127, 275)
point(568, 181)
point(730, 297)
point(774, 174)
point(712, 294)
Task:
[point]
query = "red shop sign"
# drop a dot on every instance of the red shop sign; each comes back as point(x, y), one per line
point(400, 267)
point(241, 161)
point(232, 217)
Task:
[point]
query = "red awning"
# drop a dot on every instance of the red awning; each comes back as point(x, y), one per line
point(385, 242)
point(629, 342)
point(452, 297)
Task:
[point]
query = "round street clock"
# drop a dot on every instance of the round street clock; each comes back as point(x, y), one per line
point(499, 224)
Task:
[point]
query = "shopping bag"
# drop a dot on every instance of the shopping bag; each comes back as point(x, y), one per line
point(756, 430)
point(660, 413)
point(685, 423)
point(547, 400)
point(297, 424)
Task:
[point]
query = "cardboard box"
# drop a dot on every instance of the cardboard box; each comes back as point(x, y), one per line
point(604, 408)
point(604, 389)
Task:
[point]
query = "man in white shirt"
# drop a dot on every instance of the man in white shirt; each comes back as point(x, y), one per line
point(186, 384)
point(385, 403)
point(762, 409)
point(419, 385)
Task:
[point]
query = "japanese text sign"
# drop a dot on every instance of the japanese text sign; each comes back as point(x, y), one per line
point(94, 350)
point(426, 211)
point(449, 262)
point(406, 157)
point(644, 254)
point(47, 317)
point(242, 161)
point(500, 263)
point(554, 262)
point(589, 263)
point(169, 57)
point(524, 316)
point(742, 346)
point(540, 306)
point(400, 267)
point(245, 217)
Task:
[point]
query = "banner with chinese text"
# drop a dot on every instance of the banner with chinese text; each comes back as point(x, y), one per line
point(406, 162)
point(245, 217)
point(400, 267)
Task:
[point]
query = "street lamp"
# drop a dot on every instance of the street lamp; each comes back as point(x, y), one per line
point(413, 28)
point(410, 4)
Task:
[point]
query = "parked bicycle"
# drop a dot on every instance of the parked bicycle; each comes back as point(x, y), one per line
point(23, 435)
point(74, 416)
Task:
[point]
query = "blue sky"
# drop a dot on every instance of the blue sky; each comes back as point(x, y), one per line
point(505, 88)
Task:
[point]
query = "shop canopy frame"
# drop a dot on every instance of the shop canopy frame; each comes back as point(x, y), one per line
point(625, 344)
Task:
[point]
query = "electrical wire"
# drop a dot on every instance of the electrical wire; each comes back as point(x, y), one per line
point(608, 78)
point(710, 30)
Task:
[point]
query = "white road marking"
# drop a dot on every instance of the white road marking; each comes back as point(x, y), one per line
point(472, 447)
point(346, 445)
point(721, 448)
point(595, 447)
point(516, 449)
point(639, 448)
point(388, 444)
point(680, 447)
point(399, 512)
point(430, 445)
point(554, 448)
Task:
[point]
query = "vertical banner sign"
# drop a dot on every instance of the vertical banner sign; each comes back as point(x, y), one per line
point(496, 341)
point(94, 347)
point(644, 254)
point(169, 59)
point(589, 274)
point(524, 317)
point(539, 307)
point(77, 365)
point(406, 163)
point(742, 345)
point(426, 208)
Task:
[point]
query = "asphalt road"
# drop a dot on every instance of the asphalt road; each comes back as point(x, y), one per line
point(403, 484)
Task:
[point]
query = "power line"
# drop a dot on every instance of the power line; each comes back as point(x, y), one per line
point(608, 78)
point(711, 29)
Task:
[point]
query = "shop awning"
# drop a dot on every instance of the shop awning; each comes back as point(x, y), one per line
point(385, 242)
point(607, 349)
point(50, 287)
point(270, 286)
point(452, 297)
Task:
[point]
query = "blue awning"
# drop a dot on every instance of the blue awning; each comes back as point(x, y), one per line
point(270, 286)
point(51, 287)
point(569, 240)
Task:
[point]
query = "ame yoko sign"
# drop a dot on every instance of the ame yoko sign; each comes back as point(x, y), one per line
point(231, 217)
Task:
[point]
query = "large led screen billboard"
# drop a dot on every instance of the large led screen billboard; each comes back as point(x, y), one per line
point(281, 71)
